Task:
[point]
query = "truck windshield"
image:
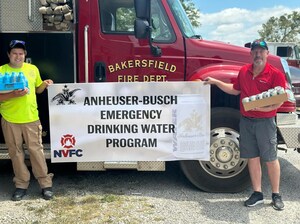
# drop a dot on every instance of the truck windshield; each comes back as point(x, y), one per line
point(181, 18)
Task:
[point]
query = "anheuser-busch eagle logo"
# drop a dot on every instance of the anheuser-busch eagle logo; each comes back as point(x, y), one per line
point(68, 141)
point(66, 96)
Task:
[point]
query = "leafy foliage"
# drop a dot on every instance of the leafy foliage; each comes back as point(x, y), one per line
point(285, 28)
point(125, 18)
point(192, 12)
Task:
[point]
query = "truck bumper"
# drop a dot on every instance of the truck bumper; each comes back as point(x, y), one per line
point(97, 166)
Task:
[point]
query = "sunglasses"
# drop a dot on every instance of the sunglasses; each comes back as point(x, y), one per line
point(15, 42)
point(259, 43)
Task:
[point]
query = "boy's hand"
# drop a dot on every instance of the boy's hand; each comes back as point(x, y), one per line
point(48, 82)
point(20, 92)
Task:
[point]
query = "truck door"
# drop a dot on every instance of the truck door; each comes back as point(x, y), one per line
point(110, 51)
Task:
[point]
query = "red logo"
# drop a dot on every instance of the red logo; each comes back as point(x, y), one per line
point(68, 141)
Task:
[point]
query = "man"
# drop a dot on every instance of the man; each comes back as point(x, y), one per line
point(258, 139)
point(20, 123)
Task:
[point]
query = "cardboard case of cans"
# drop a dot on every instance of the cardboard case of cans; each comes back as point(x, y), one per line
point(267, 98)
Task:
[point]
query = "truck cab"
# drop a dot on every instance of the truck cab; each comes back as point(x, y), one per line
point(288, 50)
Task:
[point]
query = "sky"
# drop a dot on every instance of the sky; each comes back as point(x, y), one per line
point(237, 21)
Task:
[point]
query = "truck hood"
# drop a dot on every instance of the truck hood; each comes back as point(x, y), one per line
point(221, 52)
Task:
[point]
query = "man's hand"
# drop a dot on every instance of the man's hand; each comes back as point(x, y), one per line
point(226, 87)
point(267, 108)
point(210, 81)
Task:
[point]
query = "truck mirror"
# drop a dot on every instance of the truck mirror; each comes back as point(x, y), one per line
point(141, 29)
point(142, 9)
point(248, 45)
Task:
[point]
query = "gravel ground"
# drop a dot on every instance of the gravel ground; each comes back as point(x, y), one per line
point(172, 198)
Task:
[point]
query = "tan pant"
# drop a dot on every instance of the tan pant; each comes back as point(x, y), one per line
point(31, 133)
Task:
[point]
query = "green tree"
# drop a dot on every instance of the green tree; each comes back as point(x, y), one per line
point(285, 28)
point(126, 16)
point(192, 12)
point(125, 19)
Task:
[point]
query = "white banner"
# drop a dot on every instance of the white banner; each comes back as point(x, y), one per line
point(139, 121)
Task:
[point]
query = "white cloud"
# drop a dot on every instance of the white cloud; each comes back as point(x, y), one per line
point(236, 25)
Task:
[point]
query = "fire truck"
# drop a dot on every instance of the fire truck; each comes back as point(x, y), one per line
point(287, 50)
point(76, 41)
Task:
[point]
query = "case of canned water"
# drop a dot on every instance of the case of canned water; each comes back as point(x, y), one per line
point(13, 81)
point(272, 96)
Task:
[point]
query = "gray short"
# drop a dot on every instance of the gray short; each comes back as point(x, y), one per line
point(258, 138)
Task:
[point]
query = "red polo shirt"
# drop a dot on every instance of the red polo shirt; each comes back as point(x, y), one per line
point(269, 78)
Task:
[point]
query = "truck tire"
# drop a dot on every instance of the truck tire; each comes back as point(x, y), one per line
point(225, 172)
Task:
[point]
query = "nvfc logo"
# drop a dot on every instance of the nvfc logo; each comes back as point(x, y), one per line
point(68, 143)
point(65, 96)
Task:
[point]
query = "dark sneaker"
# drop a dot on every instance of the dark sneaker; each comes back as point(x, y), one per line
point(18, 194)
point(255, 199)
point(47, 193)
point(277, 202)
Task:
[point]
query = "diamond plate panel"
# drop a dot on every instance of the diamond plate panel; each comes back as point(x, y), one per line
point(140, 166)
point(14, 15)
point(291, 134)
point(4, 154)
point(151, 166)
point(90, 166)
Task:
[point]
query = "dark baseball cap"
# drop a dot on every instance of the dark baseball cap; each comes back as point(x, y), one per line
point(16, 44)
point(259, 43)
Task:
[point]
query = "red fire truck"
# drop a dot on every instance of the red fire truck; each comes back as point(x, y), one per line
point(287, 50)
point(145, 41)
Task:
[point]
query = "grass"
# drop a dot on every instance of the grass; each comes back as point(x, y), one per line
point(108, 208)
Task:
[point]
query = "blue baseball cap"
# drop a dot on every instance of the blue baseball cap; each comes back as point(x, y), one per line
point(16, 44)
